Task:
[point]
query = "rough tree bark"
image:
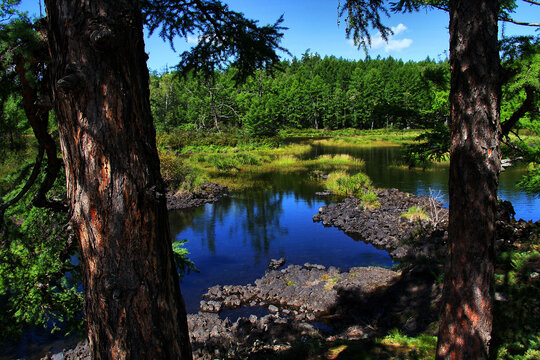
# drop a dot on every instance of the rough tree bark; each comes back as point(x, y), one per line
point(466, 319)
point(133, 305)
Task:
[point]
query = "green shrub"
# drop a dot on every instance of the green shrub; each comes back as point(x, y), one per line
point(343, 184)
point(421, 347)
point(38, 280)
point(180, 255)
point(516, 319)
point(179, 175)
point(369, 199)
point(415, 213)
point(531, 181)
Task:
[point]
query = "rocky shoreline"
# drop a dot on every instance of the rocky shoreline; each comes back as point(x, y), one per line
point(309, 302)
point(386, 228)
point(207, 193)
point(306, 303)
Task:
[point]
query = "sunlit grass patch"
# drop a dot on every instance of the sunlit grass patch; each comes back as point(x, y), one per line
point(369, 199)
point(11, 163)
point(285, 160)
point(329, 281)
point(341, 183)
point(179, 174)
point(415, 213)
point(421, 347)
point(332, 181)
point(338, 160)
point(289, 282)
point(355, 142)
point(239, 181)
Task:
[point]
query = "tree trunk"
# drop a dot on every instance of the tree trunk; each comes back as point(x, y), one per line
point(466, 318)
point(100, 84)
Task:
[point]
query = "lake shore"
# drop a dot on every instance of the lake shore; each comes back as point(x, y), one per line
point(326, 307)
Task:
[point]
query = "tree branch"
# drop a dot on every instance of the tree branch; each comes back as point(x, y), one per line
point(38, 118)
point(31, 180)
point(510, 20)
point(527, 105)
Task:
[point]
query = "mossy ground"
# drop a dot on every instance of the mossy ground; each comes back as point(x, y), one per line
point(187, 164)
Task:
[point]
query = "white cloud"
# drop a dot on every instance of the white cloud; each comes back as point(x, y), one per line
point(393, 44)
point(396, 45)
point(398, 29)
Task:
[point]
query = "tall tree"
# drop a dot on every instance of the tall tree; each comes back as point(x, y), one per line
point(100, 87)
point(466, 317)
point(99, 81)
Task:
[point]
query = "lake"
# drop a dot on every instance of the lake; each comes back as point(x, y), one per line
point(232, 241)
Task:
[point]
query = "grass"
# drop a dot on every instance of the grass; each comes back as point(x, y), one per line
point(329, 281)
point(232, 159)
point(290, 282)
point(415, 213)
point(369, 199)
point(393, 346)
point(421, 347)
point(355, 136)
point(339, 160)
point(285, 161)
point(341, 183)
point(11, 163)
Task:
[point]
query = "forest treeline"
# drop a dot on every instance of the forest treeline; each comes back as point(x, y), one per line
point(311, 92)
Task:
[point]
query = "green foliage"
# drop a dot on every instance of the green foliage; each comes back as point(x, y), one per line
point(38, 275)
point(8, 9)
point(179, 175)
point(342, 183)
point(521, 74)
point(227, 162)
point(180, 255)
point(224, 36)
point(354, 184)
point(530, 350)
point(515, 329)
point(531, 181)
point(311, 92)
point(433, 145)
point(529, 151)
point(336, 161)
point(421, 347)
point(369, 199)
point(415, 213)
point(18, 39)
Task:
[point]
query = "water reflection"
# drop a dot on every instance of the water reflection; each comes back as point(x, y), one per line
point(380, 167)
point(232, 241)
point(250, 229)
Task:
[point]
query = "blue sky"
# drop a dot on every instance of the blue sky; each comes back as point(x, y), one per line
point(313, 25)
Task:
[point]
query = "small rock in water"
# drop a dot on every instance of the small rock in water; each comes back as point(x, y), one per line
point(273, 309)
point(276, 264)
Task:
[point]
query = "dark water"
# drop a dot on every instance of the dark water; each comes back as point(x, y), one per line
point(232, 242)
